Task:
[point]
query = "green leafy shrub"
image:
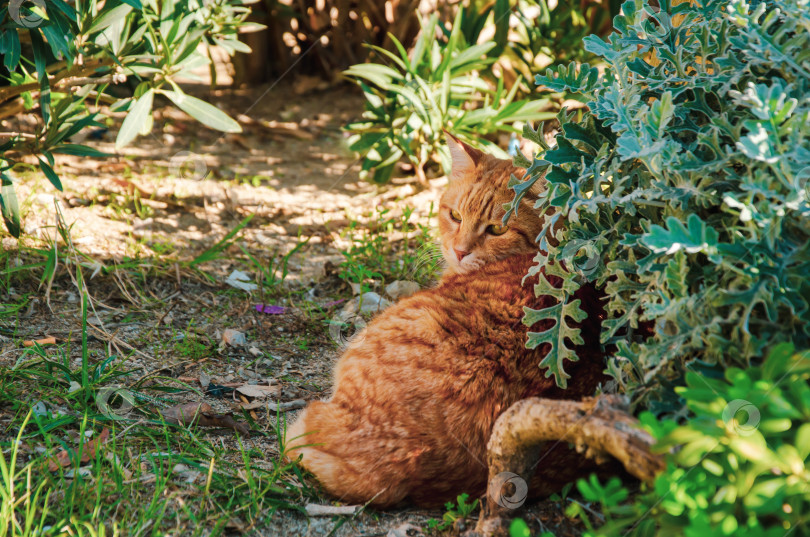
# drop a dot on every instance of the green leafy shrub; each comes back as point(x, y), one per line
point(62, 60)
point(438, 85)
point(548, 34)
point(739, 466)
point(469, 77)
point(684, 191)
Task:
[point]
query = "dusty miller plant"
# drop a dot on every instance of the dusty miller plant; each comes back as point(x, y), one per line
point(683, 189)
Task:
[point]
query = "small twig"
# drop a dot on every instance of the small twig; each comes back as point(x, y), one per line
point(106, 336)
point(599, 516)
point(117, 78)
point(331, 510)
point(284, 407)
point(18, 134)
point(168, 311)
point(125, 431)
point(46, 341)
point(57, 81)
point(9, 109)
point(155, 372)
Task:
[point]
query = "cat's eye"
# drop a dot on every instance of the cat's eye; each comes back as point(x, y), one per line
point(455, 215)
point(497, 230)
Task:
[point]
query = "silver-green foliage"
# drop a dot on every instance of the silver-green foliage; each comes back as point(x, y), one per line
point(51, 48)
point(684, 187)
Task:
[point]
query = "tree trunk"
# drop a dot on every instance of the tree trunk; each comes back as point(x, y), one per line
point(599, 427)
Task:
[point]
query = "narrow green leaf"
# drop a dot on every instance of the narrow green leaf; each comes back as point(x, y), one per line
point(65, 8)
point(134, 3)
point(207, 114)
point(135, 119)
point(10, 207)
point(109, 16)
point(50, 174)
point(38, 47)
point(80, 151)
point(12, 47)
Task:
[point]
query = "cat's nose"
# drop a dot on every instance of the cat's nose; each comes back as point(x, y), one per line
point(460, 254)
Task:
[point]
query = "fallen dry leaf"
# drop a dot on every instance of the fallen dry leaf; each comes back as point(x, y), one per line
point(245, 402)
point(88, 450)
point(203, 415)
point(251, 406)
point(259, 392)
point(131, 187)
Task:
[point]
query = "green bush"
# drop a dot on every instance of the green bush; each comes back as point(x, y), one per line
point(62, 60)
point(437, 86)
point(739, 465)
point(448, 80)
point(547, 35)
point(684, 190)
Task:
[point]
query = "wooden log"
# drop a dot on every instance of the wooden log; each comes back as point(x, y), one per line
point(600, 428)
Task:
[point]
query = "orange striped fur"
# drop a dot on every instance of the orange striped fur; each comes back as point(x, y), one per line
point(416, 393)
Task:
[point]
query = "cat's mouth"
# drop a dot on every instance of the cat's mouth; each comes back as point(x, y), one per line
point(470, 263)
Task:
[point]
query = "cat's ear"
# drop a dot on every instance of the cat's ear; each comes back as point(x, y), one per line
point(464, 157)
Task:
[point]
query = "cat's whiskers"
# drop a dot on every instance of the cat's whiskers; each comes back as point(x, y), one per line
point(430, 257)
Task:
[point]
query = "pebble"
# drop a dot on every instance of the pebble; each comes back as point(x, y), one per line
point(369, 302)
point(233, 338)
point(401, 289)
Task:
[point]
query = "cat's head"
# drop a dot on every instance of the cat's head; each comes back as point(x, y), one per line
point(471, 211)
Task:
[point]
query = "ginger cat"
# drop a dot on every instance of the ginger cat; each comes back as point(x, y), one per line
point(416, 396)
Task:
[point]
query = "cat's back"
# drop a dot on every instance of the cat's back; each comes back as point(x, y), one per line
point(465, 314)
point(464, 338)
